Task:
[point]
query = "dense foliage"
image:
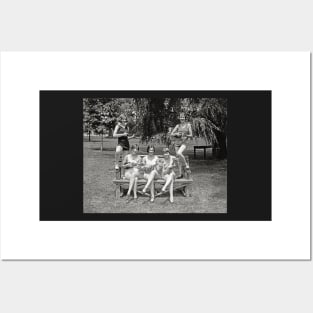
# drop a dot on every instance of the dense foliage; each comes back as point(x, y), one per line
point(153, 118)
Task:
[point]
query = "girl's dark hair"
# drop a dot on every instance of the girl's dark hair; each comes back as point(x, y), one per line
point(150, 147)
point(134, 147)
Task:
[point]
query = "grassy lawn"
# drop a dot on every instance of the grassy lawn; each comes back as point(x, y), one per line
point(209, 191)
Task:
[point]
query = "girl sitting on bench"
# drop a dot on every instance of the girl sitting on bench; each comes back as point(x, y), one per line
point(149, 166)
point(167, 173)
point(131, 163)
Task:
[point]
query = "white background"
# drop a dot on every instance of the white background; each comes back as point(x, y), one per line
point(132, 286)
point(287, 236)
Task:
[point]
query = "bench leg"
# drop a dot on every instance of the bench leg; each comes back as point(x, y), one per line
point(188, 172)
point(183, 191)
point(188, 191)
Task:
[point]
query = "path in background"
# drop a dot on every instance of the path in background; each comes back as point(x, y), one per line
point(209, 192)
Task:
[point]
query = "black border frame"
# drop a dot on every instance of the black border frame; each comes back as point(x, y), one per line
point(249, 157)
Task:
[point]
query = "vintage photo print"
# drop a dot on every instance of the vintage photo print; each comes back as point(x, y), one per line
point(155, 155)
point(162, 160)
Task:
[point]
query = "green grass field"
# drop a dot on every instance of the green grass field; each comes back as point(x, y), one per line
point(209, 191)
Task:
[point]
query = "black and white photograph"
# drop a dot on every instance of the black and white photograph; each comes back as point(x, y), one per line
point(155, 155)
point(156, 148)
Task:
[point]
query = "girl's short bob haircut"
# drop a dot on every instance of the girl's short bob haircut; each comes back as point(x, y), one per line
point(150, 147)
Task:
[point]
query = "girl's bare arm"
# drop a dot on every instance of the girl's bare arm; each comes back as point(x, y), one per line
point(115, 134)
point(173, 133)
point(126, 164)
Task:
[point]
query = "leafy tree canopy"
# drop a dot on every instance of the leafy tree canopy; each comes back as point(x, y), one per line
point(153, 118)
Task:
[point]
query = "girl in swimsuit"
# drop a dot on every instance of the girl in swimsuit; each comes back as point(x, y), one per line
point(121, 133)
point(168, 173)
point(181, 133)
point(149, 166)
point(131, 163)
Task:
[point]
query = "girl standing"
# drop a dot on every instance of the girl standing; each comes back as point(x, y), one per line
point(180, 134)
point(121, 133)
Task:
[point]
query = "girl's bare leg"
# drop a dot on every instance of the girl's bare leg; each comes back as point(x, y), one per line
point(169, 179)
point(179, 152)
point(172, 191)
point(118, 153)
point(181, 158)
point(178, 161)
point(150, 179)
point(135, 188)
point(152, 192)
point(131, 184)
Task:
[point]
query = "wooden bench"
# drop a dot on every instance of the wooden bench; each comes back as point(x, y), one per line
point(195, 148)
point(182, 184)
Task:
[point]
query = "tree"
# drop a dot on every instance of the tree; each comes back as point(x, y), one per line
point(108, 110)
point(90, 116)
point(208, 118)
point(100, 114)
point(153, 118)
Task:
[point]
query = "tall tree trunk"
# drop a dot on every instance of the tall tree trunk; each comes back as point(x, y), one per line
point(88, 135)
point(102, 141)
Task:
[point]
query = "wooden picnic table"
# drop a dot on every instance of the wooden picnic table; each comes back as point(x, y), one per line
point(195, 148)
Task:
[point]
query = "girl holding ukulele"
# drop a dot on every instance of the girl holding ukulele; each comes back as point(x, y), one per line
point(180, 134)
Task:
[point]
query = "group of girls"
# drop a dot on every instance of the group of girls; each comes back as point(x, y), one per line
point(151, 167)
